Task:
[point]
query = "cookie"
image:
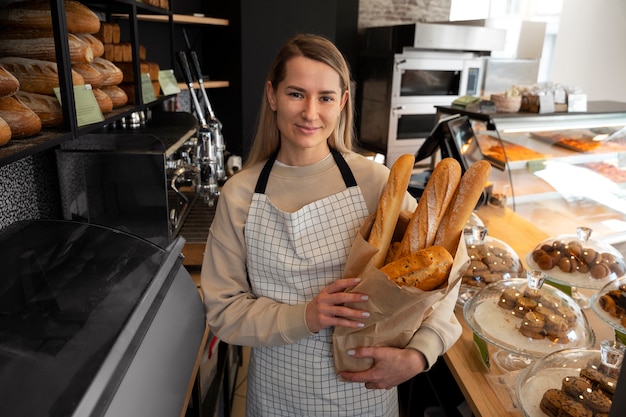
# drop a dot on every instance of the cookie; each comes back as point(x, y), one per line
point(552, 401)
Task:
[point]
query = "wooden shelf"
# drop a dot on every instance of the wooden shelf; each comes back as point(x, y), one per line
point(207, 84)
point(181, 19)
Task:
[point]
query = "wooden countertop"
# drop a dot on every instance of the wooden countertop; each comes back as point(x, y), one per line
point(481, 386)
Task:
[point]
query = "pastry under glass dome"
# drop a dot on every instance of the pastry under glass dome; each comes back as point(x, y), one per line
point(526, 320)
point(600, 367)
point(609, 303)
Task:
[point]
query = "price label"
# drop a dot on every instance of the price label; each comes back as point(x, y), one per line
point(87, 108)
point(168, 82)
point(536, 165)
point(564, 288)
point(147, 90)
point(483, 349)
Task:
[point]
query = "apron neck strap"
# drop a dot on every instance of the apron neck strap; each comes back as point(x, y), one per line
point(346, 172)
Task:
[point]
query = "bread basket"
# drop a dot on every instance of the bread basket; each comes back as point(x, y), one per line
point(507, 104)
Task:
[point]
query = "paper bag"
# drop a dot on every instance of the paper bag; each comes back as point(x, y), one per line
point(395, 312)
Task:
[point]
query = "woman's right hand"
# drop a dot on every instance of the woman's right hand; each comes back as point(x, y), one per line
point(327, 308)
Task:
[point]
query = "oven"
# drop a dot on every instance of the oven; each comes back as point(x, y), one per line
point(405, 71)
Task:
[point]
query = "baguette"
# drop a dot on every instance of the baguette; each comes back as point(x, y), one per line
point(22, 120)
point(5, 132)
point(117, 95)
point(462, 205)
point(37, 14)
point(426, 269)
point(425, 221)
point(113, 75)
point(8, 83)
point(389, 207)
point(40, 45)
point(37, 76)
point(46, 107)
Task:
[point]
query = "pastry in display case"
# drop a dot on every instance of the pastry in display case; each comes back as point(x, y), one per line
point(526, 320)
point(609, 303)
point(577, 261)
point(491, 260)
point(576, 381)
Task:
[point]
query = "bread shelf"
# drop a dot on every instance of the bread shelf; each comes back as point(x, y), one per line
point(207, 84)
point(185, 19)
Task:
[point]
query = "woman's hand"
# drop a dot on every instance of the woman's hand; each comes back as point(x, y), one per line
point(392, 366)
point(327, 308)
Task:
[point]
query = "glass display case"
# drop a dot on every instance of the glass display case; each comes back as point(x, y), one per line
point(560, 171)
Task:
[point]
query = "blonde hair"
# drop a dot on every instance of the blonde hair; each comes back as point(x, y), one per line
point(315, 47)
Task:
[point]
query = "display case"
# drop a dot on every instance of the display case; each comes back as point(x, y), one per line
point(560, 171)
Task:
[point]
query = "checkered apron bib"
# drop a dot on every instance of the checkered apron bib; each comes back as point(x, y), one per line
point(291, 257)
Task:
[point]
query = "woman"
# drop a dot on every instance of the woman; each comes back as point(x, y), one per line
point(283, 227)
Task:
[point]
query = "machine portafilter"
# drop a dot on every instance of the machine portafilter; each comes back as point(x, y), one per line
point(205, 160)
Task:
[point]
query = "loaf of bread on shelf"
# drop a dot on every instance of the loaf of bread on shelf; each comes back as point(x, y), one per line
point(37, 76)
point(46, 107)
point(37, 14)
point(104, 101)
point(89, 73)
point(8, 83)
point(5, 132)
point(109, 33)
point(38, 44)
point(112, 74)
point(96, 45)
point(116, 94)
point(128, 70)
point(22, 120)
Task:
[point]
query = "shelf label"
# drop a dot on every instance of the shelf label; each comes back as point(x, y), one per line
point(147, 90)
point(168, 82)
point(483, 349)
point(87, 108)
point(536, 165)
point(621, 160)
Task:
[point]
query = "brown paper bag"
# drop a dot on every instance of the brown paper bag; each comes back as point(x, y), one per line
point(395, 312)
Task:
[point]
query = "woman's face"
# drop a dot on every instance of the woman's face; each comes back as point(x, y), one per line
point(308, 103)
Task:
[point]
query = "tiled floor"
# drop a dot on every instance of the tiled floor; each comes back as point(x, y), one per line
point(239, 401)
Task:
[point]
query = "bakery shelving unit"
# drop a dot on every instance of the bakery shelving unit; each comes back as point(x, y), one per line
point(133, 11)
point(542, 202)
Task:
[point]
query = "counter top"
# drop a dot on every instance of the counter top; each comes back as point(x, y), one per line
point(463, 359)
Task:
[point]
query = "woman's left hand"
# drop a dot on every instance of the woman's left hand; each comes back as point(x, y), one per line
point(392, 366)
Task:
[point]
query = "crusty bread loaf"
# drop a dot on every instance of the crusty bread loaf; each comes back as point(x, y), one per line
point(46, 107)
point(40, 45)
point(113, 75)
point(96, 45)
point(128, 70)
point(22, 120)
point(109, 33)
point(432, 206)
point(8, 83)
point(36, 14)
point(104, 101)
point(116, 94)
point(462, 205)
point(5, 132)
point(90, 74)
point(389, 207)
point(425, 269)
point(36, 76)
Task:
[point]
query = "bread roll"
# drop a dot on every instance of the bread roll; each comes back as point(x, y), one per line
point(36, 76)
point(462, 205)
point(389, 207)
point(46, 107)
point(36, 14)
point(5, 132)
point(117, 95)
point(104, 101)
point(8, 83)
point(425, 269)
point(113, 75)
point(22, 120)
point(40, 45)
point(432, 206)
point(90, 74)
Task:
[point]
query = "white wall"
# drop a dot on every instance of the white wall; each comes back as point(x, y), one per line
point(590, 48)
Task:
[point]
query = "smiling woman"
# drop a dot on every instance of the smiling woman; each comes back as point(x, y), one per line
point(272, 275)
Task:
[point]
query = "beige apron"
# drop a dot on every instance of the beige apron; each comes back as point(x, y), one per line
point(291, 257)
